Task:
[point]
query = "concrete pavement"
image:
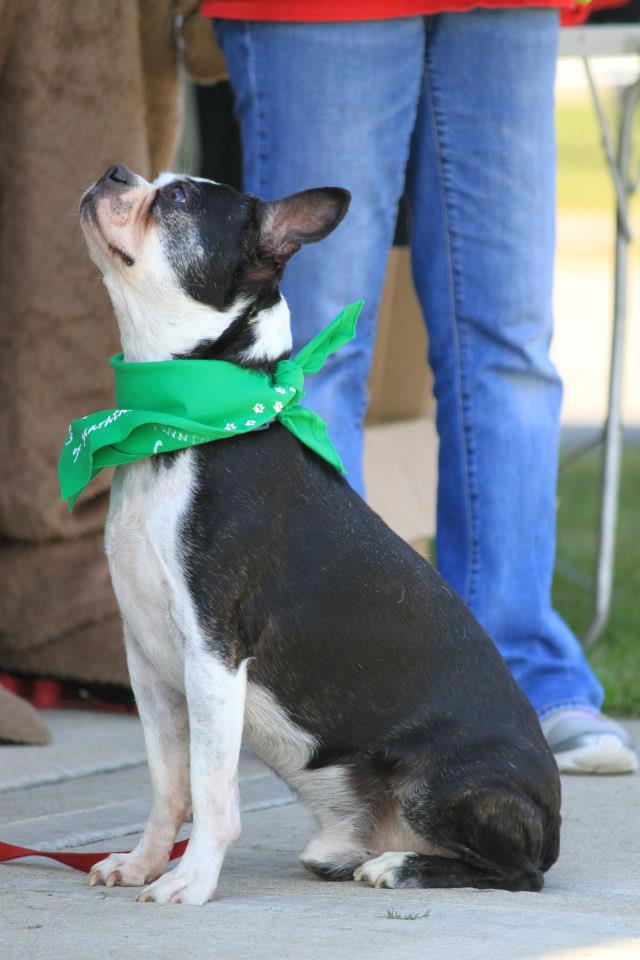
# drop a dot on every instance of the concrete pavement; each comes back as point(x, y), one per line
point(268, 907)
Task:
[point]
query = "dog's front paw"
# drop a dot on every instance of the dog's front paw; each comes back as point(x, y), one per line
point(382, 871)
point(124, 870)
point(181, 885)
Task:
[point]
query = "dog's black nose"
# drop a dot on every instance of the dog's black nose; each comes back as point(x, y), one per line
point(118, 173)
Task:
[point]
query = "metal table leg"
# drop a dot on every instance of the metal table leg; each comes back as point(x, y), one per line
point(625, 186)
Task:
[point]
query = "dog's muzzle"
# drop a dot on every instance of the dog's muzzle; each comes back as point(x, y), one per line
point(115, 177)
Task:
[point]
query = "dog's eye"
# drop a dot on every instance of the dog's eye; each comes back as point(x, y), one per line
point(178, 195)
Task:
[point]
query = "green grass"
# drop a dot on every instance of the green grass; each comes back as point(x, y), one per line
point(394, 915)
point(583, 179)
point(584, 183)
point(615, 656)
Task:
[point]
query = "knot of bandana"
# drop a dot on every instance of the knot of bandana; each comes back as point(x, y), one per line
point(173, 404)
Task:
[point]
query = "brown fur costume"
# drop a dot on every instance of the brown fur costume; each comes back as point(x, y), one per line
point(82, 85)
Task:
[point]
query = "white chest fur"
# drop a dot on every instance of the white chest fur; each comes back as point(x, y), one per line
point(144, 548)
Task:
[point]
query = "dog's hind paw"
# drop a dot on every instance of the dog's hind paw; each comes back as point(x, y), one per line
point(124, 870)
point(382, 871)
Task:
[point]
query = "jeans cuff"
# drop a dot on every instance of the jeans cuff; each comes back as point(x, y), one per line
point(566, 705)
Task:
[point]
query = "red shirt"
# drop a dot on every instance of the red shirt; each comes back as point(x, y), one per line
point(318, 11)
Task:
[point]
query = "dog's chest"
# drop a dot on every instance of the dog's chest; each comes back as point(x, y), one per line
point(145, 551)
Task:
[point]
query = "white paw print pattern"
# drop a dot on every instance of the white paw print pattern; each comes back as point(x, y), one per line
point(258, 408)
point(280, 390)
point(292, 389)
point(230, 426)
point(250, 423)
point(278, 406)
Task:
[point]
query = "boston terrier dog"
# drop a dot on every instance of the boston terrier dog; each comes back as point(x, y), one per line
point(260, 594)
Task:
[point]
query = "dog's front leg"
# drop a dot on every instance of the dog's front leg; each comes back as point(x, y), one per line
point(215, 699)
point(163, 711)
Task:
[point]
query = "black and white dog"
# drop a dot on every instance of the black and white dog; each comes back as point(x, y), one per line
point(260, 593)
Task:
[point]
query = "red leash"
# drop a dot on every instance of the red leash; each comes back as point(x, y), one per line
point(79, 861)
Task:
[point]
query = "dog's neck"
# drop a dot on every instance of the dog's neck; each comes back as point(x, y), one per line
point(161, 324)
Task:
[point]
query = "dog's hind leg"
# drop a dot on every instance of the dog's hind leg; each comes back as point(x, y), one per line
point(339, 848)
point(163, 711)
point(496, 838)
point(423, 870)
point(335, 853)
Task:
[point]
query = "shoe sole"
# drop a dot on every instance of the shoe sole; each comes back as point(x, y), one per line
point(606, 756)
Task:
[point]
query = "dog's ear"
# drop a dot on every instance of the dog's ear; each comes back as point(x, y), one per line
point(304, 217)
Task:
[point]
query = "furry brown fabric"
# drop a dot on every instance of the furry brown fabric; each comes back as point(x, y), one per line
point(82, 85)
point(202, 57)
point(19, 722)
point(92, 653)
point(51, 588)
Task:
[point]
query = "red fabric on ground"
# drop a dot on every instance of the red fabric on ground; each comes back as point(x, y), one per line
point(79, 861)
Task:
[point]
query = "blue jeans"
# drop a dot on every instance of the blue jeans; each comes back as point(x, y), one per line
point(460, 107)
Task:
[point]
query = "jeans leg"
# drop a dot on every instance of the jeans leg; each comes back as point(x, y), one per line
point(331, 104)
point(482, 184)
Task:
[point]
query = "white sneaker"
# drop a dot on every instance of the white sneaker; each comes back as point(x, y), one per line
point(585, 741)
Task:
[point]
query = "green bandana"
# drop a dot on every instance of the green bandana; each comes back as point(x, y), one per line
point(172, 404)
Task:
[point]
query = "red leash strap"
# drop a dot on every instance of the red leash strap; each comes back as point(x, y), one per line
point(79, 861)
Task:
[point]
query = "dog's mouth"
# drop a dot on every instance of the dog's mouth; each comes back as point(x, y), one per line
point(120, 254)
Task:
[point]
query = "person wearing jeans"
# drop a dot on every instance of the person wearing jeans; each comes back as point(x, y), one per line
point(458, 110)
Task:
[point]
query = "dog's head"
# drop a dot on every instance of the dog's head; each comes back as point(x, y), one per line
point(193, 267)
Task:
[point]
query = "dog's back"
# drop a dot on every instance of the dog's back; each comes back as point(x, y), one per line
point(410, 726)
